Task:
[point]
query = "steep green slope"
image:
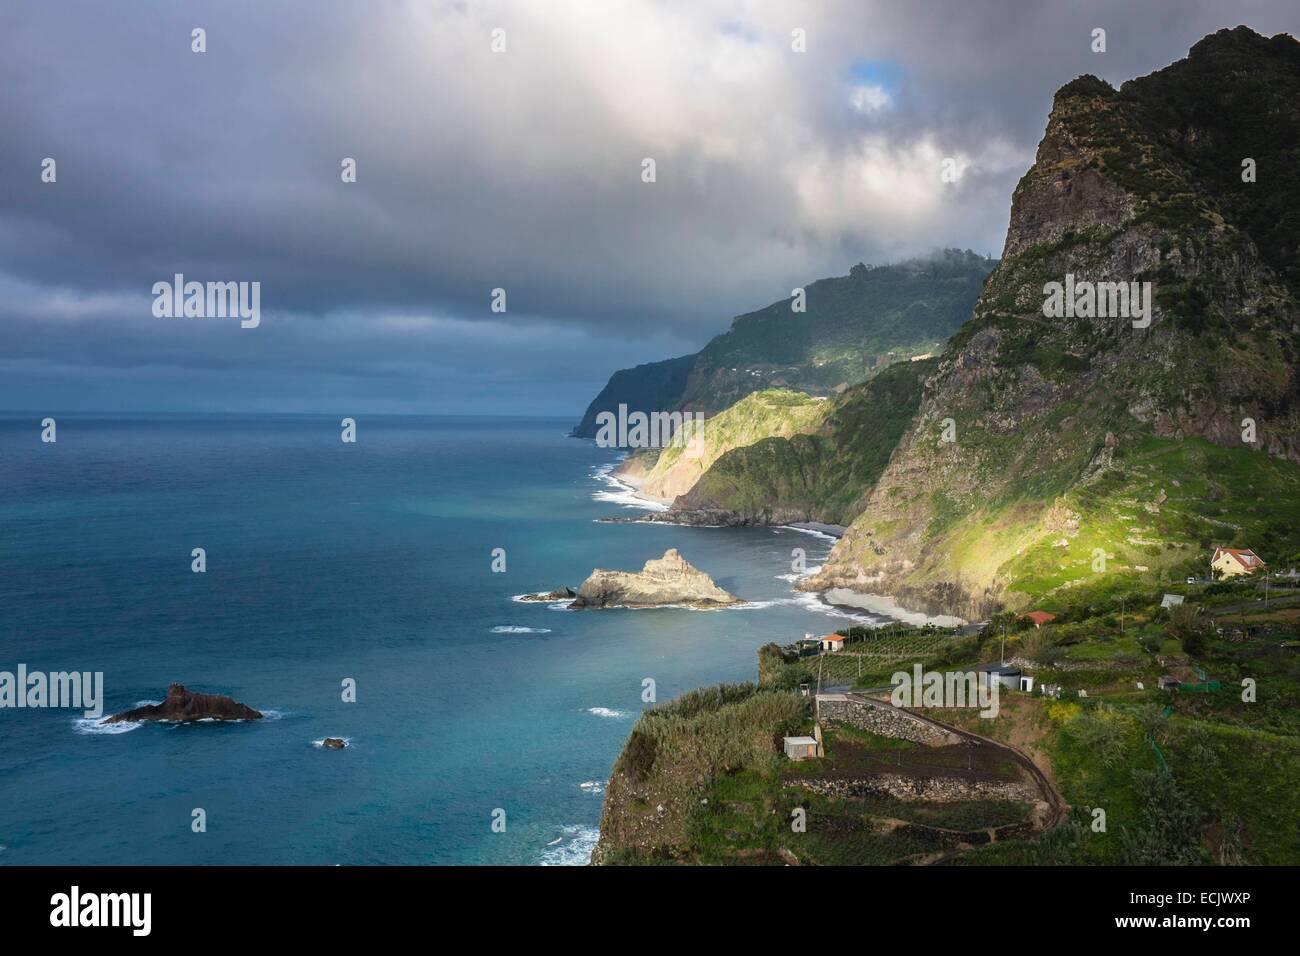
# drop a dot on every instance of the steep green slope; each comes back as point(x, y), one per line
point(821, 476)
point(770, 414)
point(1062, 425)
point(853, 326)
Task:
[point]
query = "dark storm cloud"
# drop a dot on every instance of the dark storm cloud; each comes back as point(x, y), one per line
point(479, 169)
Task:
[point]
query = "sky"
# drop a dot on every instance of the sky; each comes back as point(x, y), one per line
point(520, 168)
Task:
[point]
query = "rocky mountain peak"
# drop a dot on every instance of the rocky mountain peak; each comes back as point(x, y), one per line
point(1144, 187)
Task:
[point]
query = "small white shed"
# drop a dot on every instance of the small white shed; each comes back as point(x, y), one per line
point(801, 748)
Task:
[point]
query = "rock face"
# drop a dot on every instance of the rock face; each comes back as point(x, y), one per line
point(1031, 413)
point(663, 581)
point(185, 705)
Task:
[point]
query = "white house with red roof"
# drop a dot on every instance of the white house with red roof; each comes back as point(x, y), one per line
point(1229, 562)
point(833, 642)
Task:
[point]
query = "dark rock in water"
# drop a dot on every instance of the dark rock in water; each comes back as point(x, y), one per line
point(559, 594)
point(185, 705)
point(334, 743)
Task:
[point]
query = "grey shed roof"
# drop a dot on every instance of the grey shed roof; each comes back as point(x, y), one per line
point(1005, 669)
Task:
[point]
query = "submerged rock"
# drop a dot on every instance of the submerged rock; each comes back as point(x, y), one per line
point(667, 580)
point(186, 705)
point(334, 743)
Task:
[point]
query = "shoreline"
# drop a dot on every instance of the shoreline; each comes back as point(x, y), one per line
point(842, 599)
point(634, 484)
point(886, 606)
point(836, 602)
point(624, 492)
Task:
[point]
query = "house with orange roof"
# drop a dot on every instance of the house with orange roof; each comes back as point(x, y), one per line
point(833, 642)
point(1230, 562)
point(1038, 617)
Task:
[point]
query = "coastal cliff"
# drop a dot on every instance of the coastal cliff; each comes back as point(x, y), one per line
point(820, 476)
point(852, 327)
point(665, 474)
point(1045, 452)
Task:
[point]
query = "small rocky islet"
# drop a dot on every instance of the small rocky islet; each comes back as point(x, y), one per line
point(185, 706)
point(667, 581)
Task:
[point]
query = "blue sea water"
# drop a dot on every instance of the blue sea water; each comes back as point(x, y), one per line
point(326, 561)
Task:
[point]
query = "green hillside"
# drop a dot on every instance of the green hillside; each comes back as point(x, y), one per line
point(770, 414)
point(821, 476)
point(853, 327)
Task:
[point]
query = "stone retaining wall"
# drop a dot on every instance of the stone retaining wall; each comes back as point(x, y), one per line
point(929, 789)
point(882, 719)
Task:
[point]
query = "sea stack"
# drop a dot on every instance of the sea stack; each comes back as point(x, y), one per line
point(670, 580)
point(186, 705)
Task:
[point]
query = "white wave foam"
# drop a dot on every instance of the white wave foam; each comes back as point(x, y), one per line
point(573, 848)
point(743, 606)
point(96, 725)
point(561, 605)
point(810, 601)
point(608, 712)
point(620, 492)
point(592, 786)
point(516, 629)
point(812, 531)
point(796, 576)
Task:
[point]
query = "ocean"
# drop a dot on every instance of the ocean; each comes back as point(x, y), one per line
point(327, 561)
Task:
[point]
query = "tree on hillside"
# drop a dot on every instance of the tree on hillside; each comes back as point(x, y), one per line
point(1185, 624)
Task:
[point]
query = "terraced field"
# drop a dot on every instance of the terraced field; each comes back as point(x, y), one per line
point(874, 656)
